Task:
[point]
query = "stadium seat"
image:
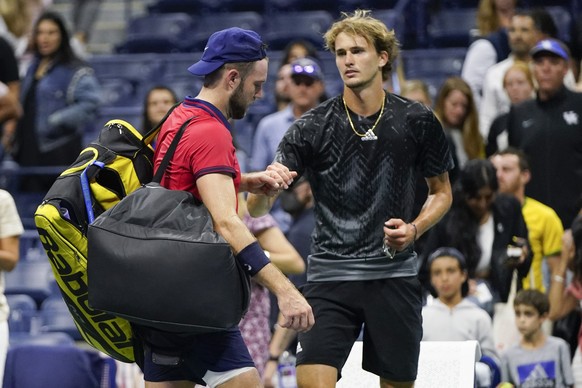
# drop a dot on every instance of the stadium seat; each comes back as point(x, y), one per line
point(27, 202)
point(393, 20)
point(283, 27)
point(41, 339)
point(452, 27)
point(350, 5)
point(187, 85)
point(433, 66)
point(131, 114)
point(62, 366)
point(448, 4)
point(133, 67)
point(302, 5)
point(55, 317)
point(195, 39)
point(32, 278)
point(159, 33)
point(31, 248)
point(176, 65)
point(545, 3)
point(563, 20)
point(421, 63)
point(23, 313)
point(197, 7)
point(118, 92)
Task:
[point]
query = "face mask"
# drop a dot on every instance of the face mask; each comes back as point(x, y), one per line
point(290, 203)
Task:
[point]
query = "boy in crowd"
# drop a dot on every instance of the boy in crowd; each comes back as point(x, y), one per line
point(452, 317)
point(538, 360)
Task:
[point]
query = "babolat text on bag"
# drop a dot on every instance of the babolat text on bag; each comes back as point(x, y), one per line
point(107, 170)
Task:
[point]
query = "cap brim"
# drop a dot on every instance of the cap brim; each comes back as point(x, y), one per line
point(203, 68)
point(545, 51)
point(312, 76)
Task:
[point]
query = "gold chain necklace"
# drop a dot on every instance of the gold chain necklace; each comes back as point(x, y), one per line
point(369, 135)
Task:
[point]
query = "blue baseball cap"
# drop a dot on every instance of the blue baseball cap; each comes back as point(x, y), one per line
point(228, 46)
point(307, 67)
point(551, 46)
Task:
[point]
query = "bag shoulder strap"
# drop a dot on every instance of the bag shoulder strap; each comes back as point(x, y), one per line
point(151, 134)
point(170, 152)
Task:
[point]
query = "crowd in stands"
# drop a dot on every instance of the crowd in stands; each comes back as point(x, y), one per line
point(511, 110)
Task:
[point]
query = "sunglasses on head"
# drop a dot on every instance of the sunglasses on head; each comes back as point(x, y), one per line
point(307, 81)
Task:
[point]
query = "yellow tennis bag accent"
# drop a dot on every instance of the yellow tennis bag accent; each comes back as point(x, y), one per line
point(108, 169)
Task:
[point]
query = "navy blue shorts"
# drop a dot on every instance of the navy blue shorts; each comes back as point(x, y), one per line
point(173, 356)
point(389, 309)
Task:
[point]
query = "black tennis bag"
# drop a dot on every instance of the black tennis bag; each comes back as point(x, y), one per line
point(155, 259)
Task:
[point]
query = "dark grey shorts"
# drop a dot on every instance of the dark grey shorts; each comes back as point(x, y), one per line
point(171, 356)
point(389, 309)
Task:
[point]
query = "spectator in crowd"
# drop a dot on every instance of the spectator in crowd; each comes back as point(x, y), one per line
point(455, 108)
point(491, 47)
point(538, 360)
point(544, 227)
point(525, 30)
point(416, 90)
point(60, 95)
point(299, 48)
point(481, 224)
point(10, 108)
point(519, 86)
point(493, 15)
point(549, 130)
point(299, 203)
point(85, 13)
point(565, 298)
point(282, 83)
point(305, 90)
point(294, 50)
point(452, 317)
point(157, 102)
point(10, 230)
point(16, 20)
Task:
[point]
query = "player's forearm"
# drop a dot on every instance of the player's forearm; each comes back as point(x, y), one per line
point(281, 340)
point(434, 208)
point(273, 279)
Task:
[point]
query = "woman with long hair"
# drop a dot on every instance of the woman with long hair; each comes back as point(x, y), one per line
point(493, 15)
point(455, 108)
point(481, 224)
point(59, 95)
point(157, 102)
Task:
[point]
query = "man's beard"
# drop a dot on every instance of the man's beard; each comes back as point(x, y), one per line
point(236, 104)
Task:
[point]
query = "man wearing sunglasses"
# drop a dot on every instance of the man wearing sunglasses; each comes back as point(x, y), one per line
point(305, 90)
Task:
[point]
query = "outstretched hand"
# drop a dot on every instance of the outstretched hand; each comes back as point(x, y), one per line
point(270, 182)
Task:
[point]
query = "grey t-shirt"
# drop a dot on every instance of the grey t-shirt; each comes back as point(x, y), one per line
point(547, 366)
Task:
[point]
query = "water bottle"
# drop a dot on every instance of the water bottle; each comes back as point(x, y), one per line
point(286, 371)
